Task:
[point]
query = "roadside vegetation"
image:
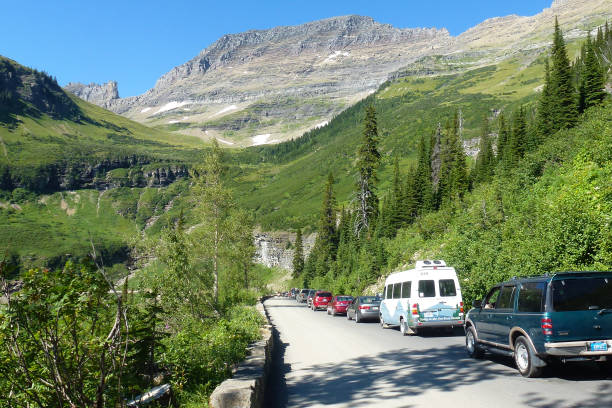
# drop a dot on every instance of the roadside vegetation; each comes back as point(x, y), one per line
point(71, 337)
point(536, 199)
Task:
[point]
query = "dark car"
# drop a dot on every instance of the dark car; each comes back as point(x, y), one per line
point(321, 299)
point(302, 295)
point(309, 297)
point(364, 308)
point(339, 304)
point(564, 317)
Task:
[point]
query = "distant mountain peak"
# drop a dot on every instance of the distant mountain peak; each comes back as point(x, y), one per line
point(99, 94)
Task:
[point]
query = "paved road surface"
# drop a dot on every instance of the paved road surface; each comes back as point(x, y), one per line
point(332, 362)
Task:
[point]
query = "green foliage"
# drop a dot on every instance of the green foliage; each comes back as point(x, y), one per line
point(298, 255)
point(63, 336)
point(368, 160)
point(202, 356)
point(562, 102)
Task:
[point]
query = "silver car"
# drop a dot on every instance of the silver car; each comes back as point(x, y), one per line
point(364, 308)
point(302, 295)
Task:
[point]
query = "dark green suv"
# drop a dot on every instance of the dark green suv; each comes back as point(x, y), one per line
point(566, 316)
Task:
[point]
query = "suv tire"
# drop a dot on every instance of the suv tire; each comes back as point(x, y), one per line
point(471, 345)
point(524, 357)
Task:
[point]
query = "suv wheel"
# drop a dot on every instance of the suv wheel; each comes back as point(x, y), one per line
point(471, 346)
point(524, 358)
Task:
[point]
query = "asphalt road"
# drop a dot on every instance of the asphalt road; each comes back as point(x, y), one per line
point(332, 362)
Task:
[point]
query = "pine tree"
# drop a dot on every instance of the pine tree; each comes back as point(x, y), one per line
point(368, 159)
point(435, 161)
point(327, 237)
point(502, 138)
point(396, 216)
point(517, 144)
point(298, 255)
point(592, 91)
point(563, 109)
point(544, 125)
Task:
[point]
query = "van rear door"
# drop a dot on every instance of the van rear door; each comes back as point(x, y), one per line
point(581, 306)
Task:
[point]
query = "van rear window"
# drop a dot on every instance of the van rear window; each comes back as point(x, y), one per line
point(582, 294)
point(447, 287)
point(427, 288)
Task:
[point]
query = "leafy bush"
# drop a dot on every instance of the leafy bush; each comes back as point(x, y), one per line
point(201, 356)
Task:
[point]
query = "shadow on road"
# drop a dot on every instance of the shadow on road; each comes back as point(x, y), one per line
point(401, 373)
point(275, 394)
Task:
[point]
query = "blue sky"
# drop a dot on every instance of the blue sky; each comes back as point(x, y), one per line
point(134, 41)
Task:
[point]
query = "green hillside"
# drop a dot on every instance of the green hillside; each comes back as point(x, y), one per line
point(283, 184)
point(72, 173)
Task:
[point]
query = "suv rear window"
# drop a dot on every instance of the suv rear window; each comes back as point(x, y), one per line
point(447, 287)
point(427, 288)
point(582, 294)
point(531, 297)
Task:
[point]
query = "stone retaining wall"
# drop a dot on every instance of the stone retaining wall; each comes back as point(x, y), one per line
point(246, 388)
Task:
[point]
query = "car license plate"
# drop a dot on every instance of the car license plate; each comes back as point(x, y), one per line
point(374, 307)
point(599, 346)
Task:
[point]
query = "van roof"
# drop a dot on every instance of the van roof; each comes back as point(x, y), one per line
point(412, 273)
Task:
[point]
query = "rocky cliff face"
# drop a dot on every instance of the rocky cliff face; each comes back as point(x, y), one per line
point(263, 86)
point(103, 95)
point(275, 249)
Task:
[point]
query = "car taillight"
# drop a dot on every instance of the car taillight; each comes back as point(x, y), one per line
point(547, 326)
point(361, 307)
point(461, 307)
point(415, 309)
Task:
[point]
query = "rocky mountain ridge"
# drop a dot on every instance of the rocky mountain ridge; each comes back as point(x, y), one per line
point(265, 86)
point(103, 95)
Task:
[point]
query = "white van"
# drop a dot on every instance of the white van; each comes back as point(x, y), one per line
point(427, 296)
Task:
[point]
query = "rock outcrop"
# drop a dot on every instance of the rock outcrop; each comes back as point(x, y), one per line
point(276, 249)
point(102, 95)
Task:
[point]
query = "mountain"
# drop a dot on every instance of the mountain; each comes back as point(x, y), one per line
point(102, 95)
point(265, 86)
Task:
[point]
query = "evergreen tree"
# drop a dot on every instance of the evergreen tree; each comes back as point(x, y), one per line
point(435, 165)
point(368, 159)
point(298, 255)
point(327, 237)
point(544, 125)
point(563, 109)
point(592, 84)
point(396, 216)
point(517, 144)
point(502, 138)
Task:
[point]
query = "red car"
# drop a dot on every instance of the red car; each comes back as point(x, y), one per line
point(339, 304)
point(321, 299)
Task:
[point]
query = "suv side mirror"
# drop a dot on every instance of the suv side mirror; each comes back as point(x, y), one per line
point(477, 303)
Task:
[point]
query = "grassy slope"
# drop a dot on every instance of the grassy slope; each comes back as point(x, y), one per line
point(46, 228)
point(43, 140)
point(288, 194)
